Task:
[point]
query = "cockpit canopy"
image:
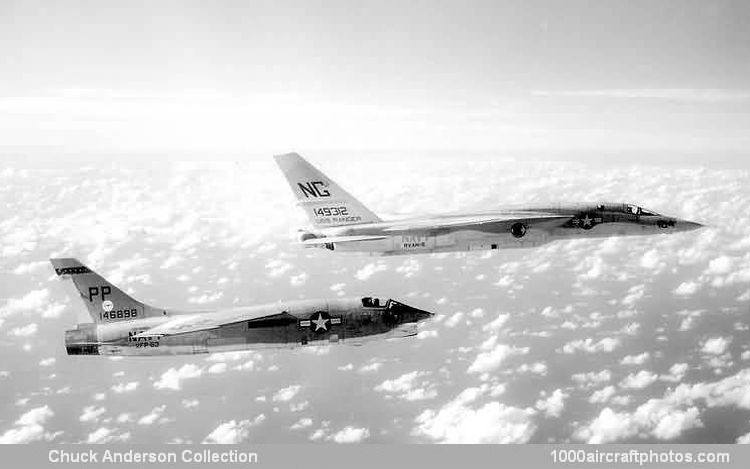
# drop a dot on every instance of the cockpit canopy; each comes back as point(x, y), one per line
point(626, 208)
point(373, 302)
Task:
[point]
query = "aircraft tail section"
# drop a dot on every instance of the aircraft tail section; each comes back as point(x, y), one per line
point(325, 202)
point(105, 302)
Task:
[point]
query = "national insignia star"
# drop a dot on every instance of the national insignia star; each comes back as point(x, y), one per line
point(320, 323)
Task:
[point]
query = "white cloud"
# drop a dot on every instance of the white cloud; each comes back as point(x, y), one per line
point(25, 331)
point(719, 266)
point(299, 407)
point(539, 368)
point(640, 380)
point(660, 421)
point(91, 414)
point(350, 435)
point(477, 313)
point(603, 395)
point(47, 361)
point(30, 267)
point(676, 373)
point(122, 388)
point(190, 403)
point(639, 359)
point(454, 319)
point(687, 288)
point(635, 293)
point(370, 367)
point(35, 300)
point(229, 356)
point(409, 386)
point(667, 417)
point(492, 359)
point(233, 432)
point(409, 268)
point(651, 260)
point(552, 405)
point(592, 378)
point(30, 427)
point(338, 288)
point(287, 393)
point(497, 323)
point(153, 416)
point(53, 310)
point(217, 368)
point(369, 270)
point(459, 422)
point(299, 279)
point(606, 344)
point(172, 378)
point(277, 267)
point(205, 298)
point(105, 435)
point(716, 345)
point(301, 424)
point(427, 334)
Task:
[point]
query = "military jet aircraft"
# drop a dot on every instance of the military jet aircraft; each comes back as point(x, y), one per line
point(125, 326)
point(342, 223)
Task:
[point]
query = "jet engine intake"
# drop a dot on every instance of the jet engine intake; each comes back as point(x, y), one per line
point(518, 230)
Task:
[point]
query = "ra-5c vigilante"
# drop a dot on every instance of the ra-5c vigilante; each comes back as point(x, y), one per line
point(125, 326)
point(342, 223)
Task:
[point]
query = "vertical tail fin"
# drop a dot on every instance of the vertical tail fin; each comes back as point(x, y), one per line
point(105, 302)
point(325, 202)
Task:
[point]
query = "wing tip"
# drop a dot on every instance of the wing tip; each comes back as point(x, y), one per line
point(287, 156)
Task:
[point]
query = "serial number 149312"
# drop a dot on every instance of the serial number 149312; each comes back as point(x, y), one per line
point(330, 211)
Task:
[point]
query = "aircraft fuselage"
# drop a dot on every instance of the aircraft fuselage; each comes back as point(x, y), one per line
point(525, 228)
point(288, 325)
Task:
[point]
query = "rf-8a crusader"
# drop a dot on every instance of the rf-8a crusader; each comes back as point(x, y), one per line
point(342, 223)
point(124, 326)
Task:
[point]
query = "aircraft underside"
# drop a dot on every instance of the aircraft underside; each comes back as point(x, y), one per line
point(470, 240)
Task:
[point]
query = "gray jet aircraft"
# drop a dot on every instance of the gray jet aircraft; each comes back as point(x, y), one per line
point(342, 223)
point(125, 326)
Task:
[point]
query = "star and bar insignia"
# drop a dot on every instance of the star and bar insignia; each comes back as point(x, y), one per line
point(320, 322)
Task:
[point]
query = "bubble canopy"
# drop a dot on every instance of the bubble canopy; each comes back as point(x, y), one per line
point(626, 208)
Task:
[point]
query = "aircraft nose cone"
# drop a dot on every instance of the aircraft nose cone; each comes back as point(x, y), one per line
point(418, 314)
point(422, 314)
point(685, 225)
point(409, 313)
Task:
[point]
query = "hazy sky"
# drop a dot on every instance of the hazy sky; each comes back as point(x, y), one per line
point(255, 77)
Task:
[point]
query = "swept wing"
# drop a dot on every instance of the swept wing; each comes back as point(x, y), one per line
point(341, 239)
point(530, 219)
point(198, 322)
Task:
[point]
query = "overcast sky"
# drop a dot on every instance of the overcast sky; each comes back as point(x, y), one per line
point(257, 77)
